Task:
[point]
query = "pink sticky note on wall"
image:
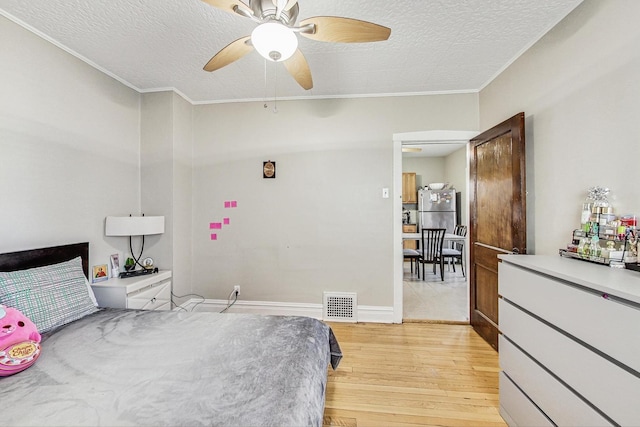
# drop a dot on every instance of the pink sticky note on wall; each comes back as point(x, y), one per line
point(217, 225)
point(214, 236)
point(225, 221)
point(227, 204)
point(234, 204)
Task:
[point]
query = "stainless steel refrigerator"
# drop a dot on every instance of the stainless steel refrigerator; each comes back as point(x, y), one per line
point(437, 209)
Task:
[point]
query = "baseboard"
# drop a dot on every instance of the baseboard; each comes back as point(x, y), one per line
point(366, 313)
point(440, 322)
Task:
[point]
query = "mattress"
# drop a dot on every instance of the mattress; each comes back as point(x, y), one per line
point(128, 367)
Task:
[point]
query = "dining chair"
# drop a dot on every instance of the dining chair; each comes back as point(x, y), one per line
point(430, 250)
point(456, 251)
point(413, 256)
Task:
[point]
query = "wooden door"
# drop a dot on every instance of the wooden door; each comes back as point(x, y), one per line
point(497, 218)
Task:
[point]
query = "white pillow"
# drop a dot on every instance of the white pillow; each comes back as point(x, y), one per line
point(90, 291)
point(51, 296)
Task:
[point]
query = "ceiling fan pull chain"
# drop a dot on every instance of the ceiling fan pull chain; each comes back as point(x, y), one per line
point(275, 88)
point(265, 83)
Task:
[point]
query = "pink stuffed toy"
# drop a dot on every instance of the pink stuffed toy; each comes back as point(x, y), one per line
point(19, 341)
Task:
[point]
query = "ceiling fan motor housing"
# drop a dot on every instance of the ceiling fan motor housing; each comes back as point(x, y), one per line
point(266, 11)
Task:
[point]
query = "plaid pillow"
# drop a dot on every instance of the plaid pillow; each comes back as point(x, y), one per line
point(50, 296)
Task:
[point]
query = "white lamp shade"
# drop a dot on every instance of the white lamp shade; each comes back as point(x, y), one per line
point(133, 225)
point(274, 41)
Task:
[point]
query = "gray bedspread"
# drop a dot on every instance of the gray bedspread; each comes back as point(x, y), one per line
point(121, 367)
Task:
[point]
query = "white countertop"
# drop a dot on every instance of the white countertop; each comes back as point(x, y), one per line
point(616, 282)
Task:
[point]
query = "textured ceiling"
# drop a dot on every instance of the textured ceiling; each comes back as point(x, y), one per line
point(435, 45)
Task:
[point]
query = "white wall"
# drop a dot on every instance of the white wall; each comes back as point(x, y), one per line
point(579, 88)
point(166, 167)
point(156, 172)
point(182, 264)
point(427, 169)
point(69, 148)
point(455, 166)
point(322, 224)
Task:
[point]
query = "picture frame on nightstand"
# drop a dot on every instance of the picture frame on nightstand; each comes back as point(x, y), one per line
point(99, 273)
point(115, 265)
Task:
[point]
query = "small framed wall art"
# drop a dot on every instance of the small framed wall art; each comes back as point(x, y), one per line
point(99, 273)
point(268, 169)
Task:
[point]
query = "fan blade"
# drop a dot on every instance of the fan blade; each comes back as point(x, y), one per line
point(228, 54)
point(298, 67)
point(228, 5)
point(344, 30)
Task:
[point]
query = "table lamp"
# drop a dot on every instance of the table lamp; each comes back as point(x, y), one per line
point(134, 226)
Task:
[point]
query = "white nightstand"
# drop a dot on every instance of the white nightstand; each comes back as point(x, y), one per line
point(148, 292)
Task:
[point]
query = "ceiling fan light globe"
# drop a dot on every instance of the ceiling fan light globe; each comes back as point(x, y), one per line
point(274, 41)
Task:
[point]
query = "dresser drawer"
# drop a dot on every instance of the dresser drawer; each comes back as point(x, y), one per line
point(560, 404)
point(586, 315)
point(521, 411)
point(152, 304)
point(607, 386)
point(155, 297)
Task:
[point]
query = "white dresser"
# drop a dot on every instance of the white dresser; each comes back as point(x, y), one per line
point(569, 343)
point(148, 292)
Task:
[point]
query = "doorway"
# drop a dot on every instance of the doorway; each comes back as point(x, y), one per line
point(429, 142)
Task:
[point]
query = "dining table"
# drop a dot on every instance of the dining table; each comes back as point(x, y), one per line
point(448, 237)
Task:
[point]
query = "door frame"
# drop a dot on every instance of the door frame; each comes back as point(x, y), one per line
point(424, 137)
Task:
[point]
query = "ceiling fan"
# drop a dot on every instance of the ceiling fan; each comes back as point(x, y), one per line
point(275, 37)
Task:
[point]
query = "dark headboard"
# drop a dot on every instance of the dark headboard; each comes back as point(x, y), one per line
point(22, 260)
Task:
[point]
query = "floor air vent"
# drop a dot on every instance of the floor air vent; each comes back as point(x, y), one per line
point(340, 307)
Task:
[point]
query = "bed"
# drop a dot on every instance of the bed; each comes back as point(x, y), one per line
point(129, 367)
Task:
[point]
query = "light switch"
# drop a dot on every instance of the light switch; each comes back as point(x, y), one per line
point(385, 193)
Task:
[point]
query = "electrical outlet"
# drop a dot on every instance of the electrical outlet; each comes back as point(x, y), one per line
point(236, 289)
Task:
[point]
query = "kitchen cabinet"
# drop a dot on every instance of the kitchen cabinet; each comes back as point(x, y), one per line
point(410, 228)
point(568, 343)
point(147, 292)
point(409, 191)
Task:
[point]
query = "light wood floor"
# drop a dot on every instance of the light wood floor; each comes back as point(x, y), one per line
point(413, 374)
